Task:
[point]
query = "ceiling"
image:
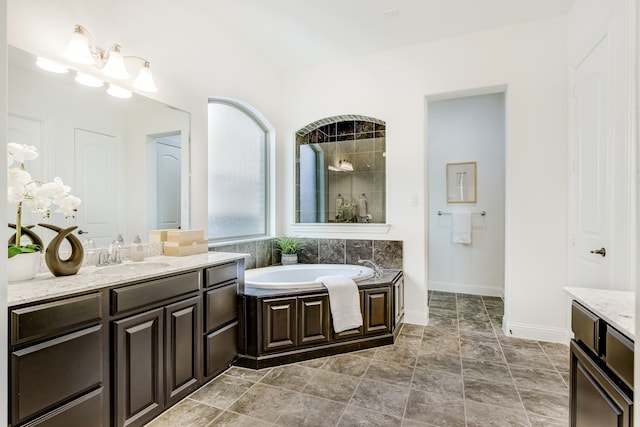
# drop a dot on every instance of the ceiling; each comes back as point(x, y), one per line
point(301, 32)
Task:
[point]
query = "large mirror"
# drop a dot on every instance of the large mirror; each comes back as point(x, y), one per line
point(126, 159)
point(341, 171)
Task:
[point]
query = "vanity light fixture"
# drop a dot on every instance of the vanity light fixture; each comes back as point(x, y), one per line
point(346, 165)
point(82, 50)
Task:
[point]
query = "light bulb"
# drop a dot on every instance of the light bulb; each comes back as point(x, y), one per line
point(144, 81)
point(115, 64)
point(118, 91)
point(78, 50)
point(51, 66)
point(88, 80)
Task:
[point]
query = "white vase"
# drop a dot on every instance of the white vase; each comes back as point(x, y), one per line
point(23, 266)
point(288, 259)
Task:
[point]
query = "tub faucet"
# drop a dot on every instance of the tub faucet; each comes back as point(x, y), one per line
point(375, 266)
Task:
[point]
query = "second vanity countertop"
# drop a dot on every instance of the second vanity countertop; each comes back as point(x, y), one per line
point(45, 285)
point(615, 307)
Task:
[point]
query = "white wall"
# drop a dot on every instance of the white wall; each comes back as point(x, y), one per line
point(463, 129)
point(4, 327)
point(392, 85)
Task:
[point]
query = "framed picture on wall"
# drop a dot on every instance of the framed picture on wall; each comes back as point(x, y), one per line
point(461, 182)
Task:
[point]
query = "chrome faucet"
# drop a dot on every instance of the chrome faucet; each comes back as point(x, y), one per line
point(375, 266)
point(114, 252)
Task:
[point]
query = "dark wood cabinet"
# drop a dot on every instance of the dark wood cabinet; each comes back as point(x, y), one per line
point(601, 372)
point(596, 401)
point(138, 368)
point(279, 323)
point(313, 319)
point(122, 355)
point(182, 353)
point(57, 355)
point(377, 311)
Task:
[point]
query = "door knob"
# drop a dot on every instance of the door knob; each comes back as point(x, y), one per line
point(601, 251)
point(82, 232)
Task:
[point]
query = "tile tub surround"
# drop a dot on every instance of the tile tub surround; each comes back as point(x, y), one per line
point(616, 307)
point(453, 372)
point(264, 253)
point(45, 285)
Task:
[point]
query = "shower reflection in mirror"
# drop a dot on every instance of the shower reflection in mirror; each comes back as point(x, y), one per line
point(341, 171)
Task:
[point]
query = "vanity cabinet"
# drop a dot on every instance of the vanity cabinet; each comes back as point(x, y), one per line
point(601, 372)
point(286, 326)
point(221, 318)
point(120, 356)
point(57, 353)
point(157, 352)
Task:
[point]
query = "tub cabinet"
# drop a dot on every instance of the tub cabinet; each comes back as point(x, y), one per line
point(291, 325)
point(122, 355)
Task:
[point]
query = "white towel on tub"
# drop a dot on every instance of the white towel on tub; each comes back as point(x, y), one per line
point(461, 227)
point(344, 300)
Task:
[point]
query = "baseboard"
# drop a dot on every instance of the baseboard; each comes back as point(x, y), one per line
point(466, 288)
point(538, 333)
point(416, 317)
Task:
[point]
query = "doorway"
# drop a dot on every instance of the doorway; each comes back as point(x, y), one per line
point(466, 128)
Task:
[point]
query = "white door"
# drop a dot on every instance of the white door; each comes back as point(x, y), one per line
point(590, 177)
point(96, 182)
point(168, 175)
point(29, 132)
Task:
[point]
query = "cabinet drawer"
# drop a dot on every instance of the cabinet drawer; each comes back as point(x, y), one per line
point(620, 355)
point(221, 306)
point(46, 320)
point(51, 373)
point(154, 291)
point(86, 411)
point(220, 274)
point(587, 328)
point(222, 349)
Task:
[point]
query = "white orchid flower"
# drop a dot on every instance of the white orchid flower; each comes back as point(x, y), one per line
point(17, 176)
point(22, 152)
point(54, 189)
point(68, 205)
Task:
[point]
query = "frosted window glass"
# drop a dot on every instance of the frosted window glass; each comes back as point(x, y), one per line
point(237, 174)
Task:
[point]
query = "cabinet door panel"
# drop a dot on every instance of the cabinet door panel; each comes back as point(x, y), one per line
point(86, 411)
point(221, 306)
point(182, 348)
point(221, 349)
point(138, 368)
point(595, 400)
point(377, 311)
point(279, 323)
point(313, 316)
point(50, 373)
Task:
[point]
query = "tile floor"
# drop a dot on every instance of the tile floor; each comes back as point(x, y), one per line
point(459, 371)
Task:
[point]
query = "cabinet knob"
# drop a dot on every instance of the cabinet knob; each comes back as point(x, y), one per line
point(601, 251)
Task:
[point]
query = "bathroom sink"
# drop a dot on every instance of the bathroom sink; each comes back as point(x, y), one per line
point(130, 268)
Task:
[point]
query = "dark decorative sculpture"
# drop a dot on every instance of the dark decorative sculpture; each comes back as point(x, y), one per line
point(71, 265)
point(35, 239)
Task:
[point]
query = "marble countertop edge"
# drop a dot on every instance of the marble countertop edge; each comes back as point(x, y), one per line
point(45, 286)
point(615, 307)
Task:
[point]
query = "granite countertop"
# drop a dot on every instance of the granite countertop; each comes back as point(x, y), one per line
point(615, 307)
point(45, 285)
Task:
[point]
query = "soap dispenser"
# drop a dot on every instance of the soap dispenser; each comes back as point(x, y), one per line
point(137, 249)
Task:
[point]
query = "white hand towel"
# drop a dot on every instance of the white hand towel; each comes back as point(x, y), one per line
point(344, 300)
point(461, 227)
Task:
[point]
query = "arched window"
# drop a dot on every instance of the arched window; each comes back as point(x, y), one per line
point(238, 173)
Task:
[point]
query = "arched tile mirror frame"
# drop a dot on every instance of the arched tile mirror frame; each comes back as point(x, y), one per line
point(341, 171)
